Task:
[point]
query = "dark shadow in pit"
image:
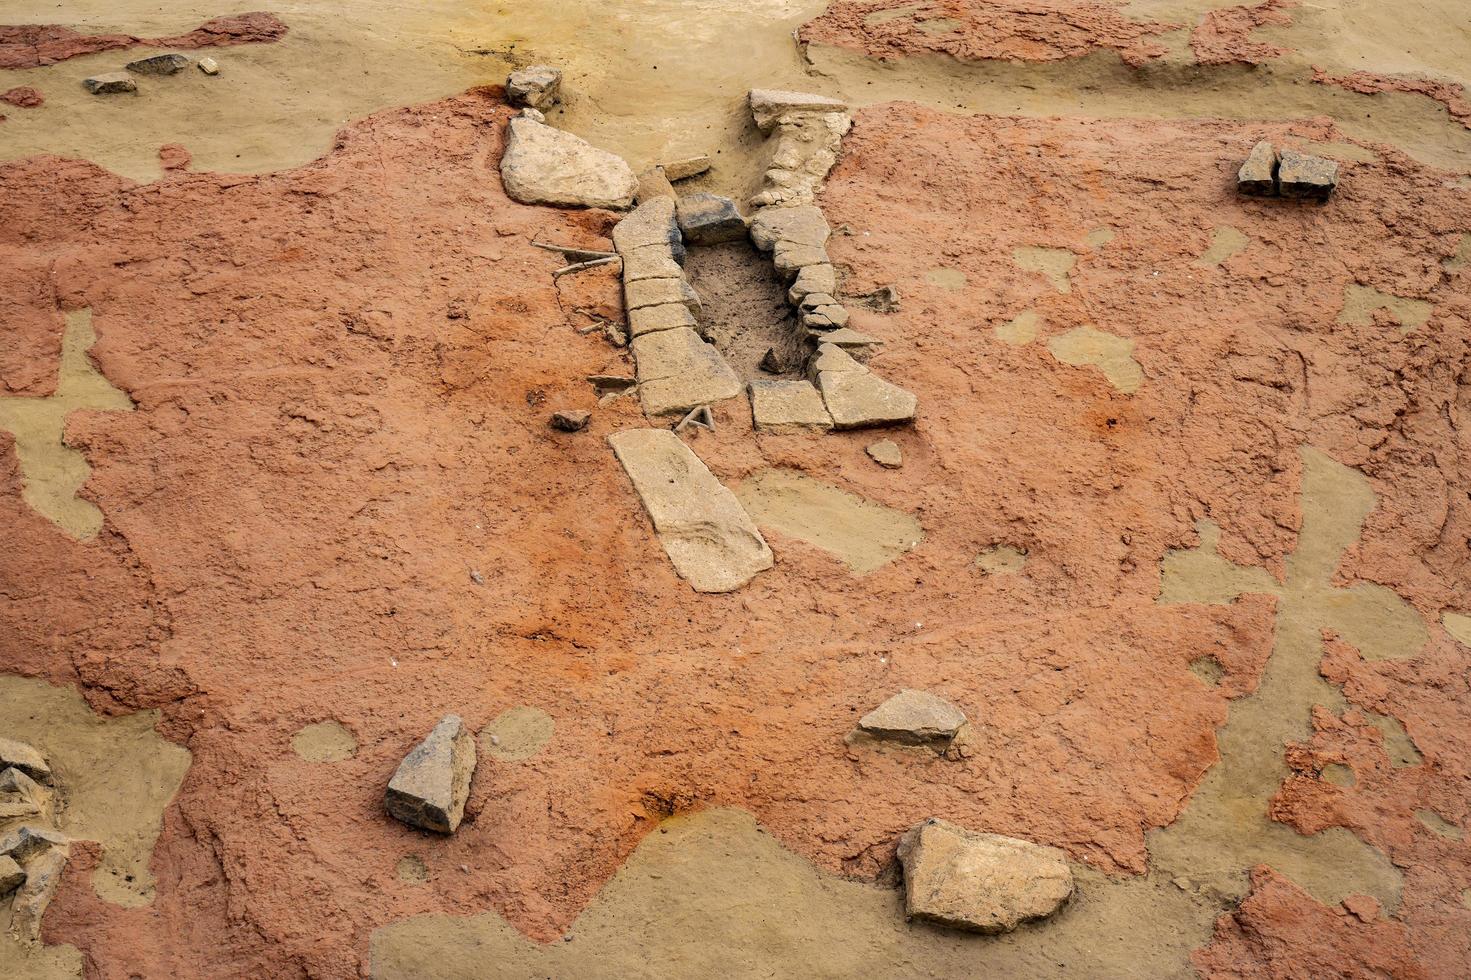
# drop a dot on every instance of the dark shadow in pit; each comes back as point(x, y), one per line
point(745, 308)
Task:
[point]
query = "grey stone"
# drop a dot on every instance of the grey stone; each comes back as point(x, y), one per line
point(709, 219)
point(678, 371)
point(110, 83)
point(801, 225)
point(669, 316)
point(29, 840)
point(769, 105)
point(209, 66)
point(539, 86)
point(787, 406)
point(432, 783)
point(1258, 175)
point(543, 165)
point(159, 64)
point(687, 167)
point(605, 383)
point(789, 258)
point(863, 400)
point(43, 876)
point(25, 758)
point(11, 875)
point(712, 542)
point(1304, 176)
point(658, 292)
point(651, 223)
point(773, 363)
point(653, 183)
point(886, 454)
point(980, 882)
point(570, 420)
point(913, 717)
point(885, 299)
point(650, 262)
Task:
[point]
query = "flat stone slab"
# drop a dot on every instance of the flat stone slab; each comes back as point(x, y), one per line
point(659, 292)
point(25, 758)
point(110, 83)
point(651, 223)
point(159, 64)
point(709, 537)
point(859, 400)
point(432, 783)
point(886, 454)
point(1258, 175)
point(678, 371)
point(669, 316)
point(1302, 175)
point(768, 105)
point(831, 357)
point(800, 225)
point(913, 718)
point(790, 258)
point(813, 279)
point(543, 165)
point(787, 406)
point(650, 262)
point(980, 882)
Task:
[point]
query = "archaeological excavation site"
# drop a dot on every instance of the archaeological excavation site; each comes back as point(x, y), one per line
point(735, 489)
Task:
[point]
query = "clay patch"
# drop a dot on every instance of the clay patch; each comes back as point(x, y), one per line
point(946, 278)
point(1099, 237)
point(1087, 346)
point(516, 734)
point(1021, 330)
point(412, 870)
point(1225, 242)
point(863, 535)
point(1361, 302)
point(1054, 263)
point(1461, 258)
point(1002, 559)
point(53, 471)
point(1439, 825)
point(1457, 625)
point(325, 741)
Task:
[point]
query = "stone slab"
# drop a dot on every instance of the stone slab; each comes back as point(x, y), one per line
point(542, 165)
point(678, 371)
point(1258, 175)
point(860, 400)
point(913, 717)
point(769, 105)
point(800, 225)
point(659, 292)
point(669, 316)
point(787, 407)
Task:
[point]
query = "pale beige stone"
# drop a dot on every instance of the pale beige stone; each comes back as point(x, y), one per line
point(648, 319)
point(650, 262)
point(658, 292)
point(769, 105)
point(787, 406)
point(885, 453)
point(799, 225)
point(678, 371)
point(913, 717)
point(858, 400)
point(542, 165)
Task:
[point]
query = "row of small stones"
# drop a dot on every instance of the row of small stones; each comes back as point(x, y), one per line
point(32, 855)
point(116, 82)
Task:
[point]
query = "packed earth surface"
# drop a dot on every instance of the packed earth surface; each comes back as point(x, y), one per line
point(1139, 505)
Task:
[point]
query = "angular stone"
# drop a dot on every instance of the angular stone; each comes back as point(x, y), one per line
point(110, 83)
point(833, 313)
point(980, 882)
point(772, 362)
point(812, 279)
point(651, 223)
point(543, 165)
point(1258, 175)
point(658, 292)
point(570, 420)
point(432, 783)
point(1301, 175)
point(653, 183)
point(709, 537)
point(669, 316)
point(813, 300)
point(787, 406)
point(769, 105)
point(832, 359)
point(859, 400)
point(43, 875)
point(913, 717)
point(650, 262)
point(886, 454)
point(678, 371)
point(11, 875)
point(709, 219)
point(28, 841)
point(209, 66)
point(687, 167)
point(850, 339)
point(159, 64)
point(20, 795)
point(539, 86)
point(789, 258)
point(25, 758)
point(817, 323)
point(803, 225)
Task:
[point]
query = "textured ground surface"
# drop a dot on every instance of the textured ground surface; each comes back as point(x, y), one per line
point(336, 499)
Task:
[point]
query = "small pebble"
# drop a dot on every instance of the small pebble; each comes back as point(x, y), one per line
point(209, 66)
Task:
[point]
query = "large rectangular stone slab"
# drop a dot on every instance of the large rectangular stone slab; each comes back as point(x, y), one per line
point(657, 292)
point(709, 537)
point(678, 371)
point(787, 407)
point(648, 319)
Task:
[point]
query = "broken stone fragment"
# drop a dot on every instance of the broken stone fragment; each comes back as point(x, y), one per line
point(1303, 176)
point(886, 454)
point(651, 223)
point(980, 882)
point(708, 536)
point(769, 105)
point(535, 115)
point(678, 371)
point(110, 83)
point(860, 400)
point(773, 363)
point(885, 299)
point(832, 359)
point(787, 407)
point(709, 219)
point(11, 875)
point(539, 86)
point(821, 279)
point(653, 183)
point(669, 316)
point(432, 783)
point(542, 165)
point(43, 875)
point(570, 420)
point(25, 758)
point(20, 795)
point(650, 262)
point(817, 322)
point(850, 340)
point(209, 66)
point(686, 168)
point(801, 225)
point(812, 300)
point(833, 314)
point(1258, 175)
point(913, 717)
point(658, 292)
point(159, 64)
point(28, 841)
point(789, 258)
